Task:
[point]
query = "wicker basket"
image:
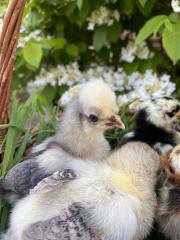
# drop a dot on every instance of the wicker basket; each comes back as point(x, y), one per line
point(9, 34)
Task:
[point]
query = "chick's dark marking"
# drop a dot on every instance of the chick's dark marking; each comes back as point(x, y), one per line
point(70, 226)
point(147, 132)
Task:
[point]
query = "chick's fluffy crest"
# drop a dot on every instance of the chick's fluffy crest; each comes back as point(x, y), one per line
point(99, 95)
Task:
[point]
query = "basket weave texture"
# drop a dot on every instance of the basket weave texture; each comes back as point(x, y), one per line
point(9, 33)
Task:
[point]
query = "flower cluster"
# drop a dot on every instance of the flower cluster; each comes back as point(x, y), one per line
point(57, 76)
point(102, 16)
point(128, 87)
point(68, 95)
point(134, 88)
point(36, 35)
point(71, 75)
point(133, 51)
point(147, 86)
point(175, 5)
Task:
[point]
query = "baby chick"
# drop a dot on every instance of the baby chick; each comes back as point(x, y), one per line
point(93, 200)
point(168, 214)
point(81, 135)
point(157, 123)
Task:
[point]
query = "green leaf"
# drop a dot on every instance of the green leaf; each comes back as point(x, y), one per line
point(127, 6)
point(143, 2)
point(145, 64)
point(32, 54)
point(72, 50)
point(113, 32)
point(22, 148)
point(49, 93)
point(146, 10)
point(174, 17)
point(70, 9)
point(131, 67)
point(57, 43)
point(79, 4)
point(150, 27)
point(100, 38)
point(18, 119)
point(4, 213)
point(171, 40)
point(103, 55)
point(40, 107)
point(82, 47)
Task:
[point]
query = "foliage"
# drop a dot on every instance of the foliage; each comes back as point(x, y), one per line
point(20, 134)
point(61, 32)
point(169, 28)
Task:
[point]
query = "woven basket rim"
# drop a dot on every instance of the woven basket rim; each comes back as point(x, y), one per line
point(4, 126)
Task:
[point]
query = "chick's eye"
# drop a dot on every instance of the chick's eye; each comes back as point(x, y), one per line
point(93, 118)
point(174, 111)
point(171, 114)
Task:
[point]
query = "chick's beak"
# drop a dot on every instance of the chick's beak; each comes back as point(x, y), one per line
point(115, 121)
point(178, 114)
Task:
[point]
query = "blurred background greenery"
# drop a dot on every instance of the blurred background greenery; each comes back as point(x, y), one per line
point(63, 41)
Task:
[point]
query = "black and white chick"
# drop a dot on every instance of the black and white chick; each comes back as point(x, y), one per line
point(168, 214)
point(80, 135)
point(103, 200)
point(157, 123)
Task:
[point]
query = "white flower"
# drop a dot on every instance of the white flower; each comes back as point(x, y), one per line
point(116, 15)
point(68, 95)
point(102, 16)
point(146, 86)
point(132, 51)
point(91, 26)
point(143, 51)
point(110, 22)
point(36, 35)
point(175, 4)
point(128, 54)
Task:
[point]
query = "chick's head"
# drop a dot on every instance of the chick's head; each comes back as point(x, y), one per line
point(98, 107)
point(163, 112)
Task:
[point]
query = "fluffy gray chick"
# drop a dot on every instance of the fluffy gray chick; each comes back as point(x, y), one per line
point(81, 135)
point(92, 201)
